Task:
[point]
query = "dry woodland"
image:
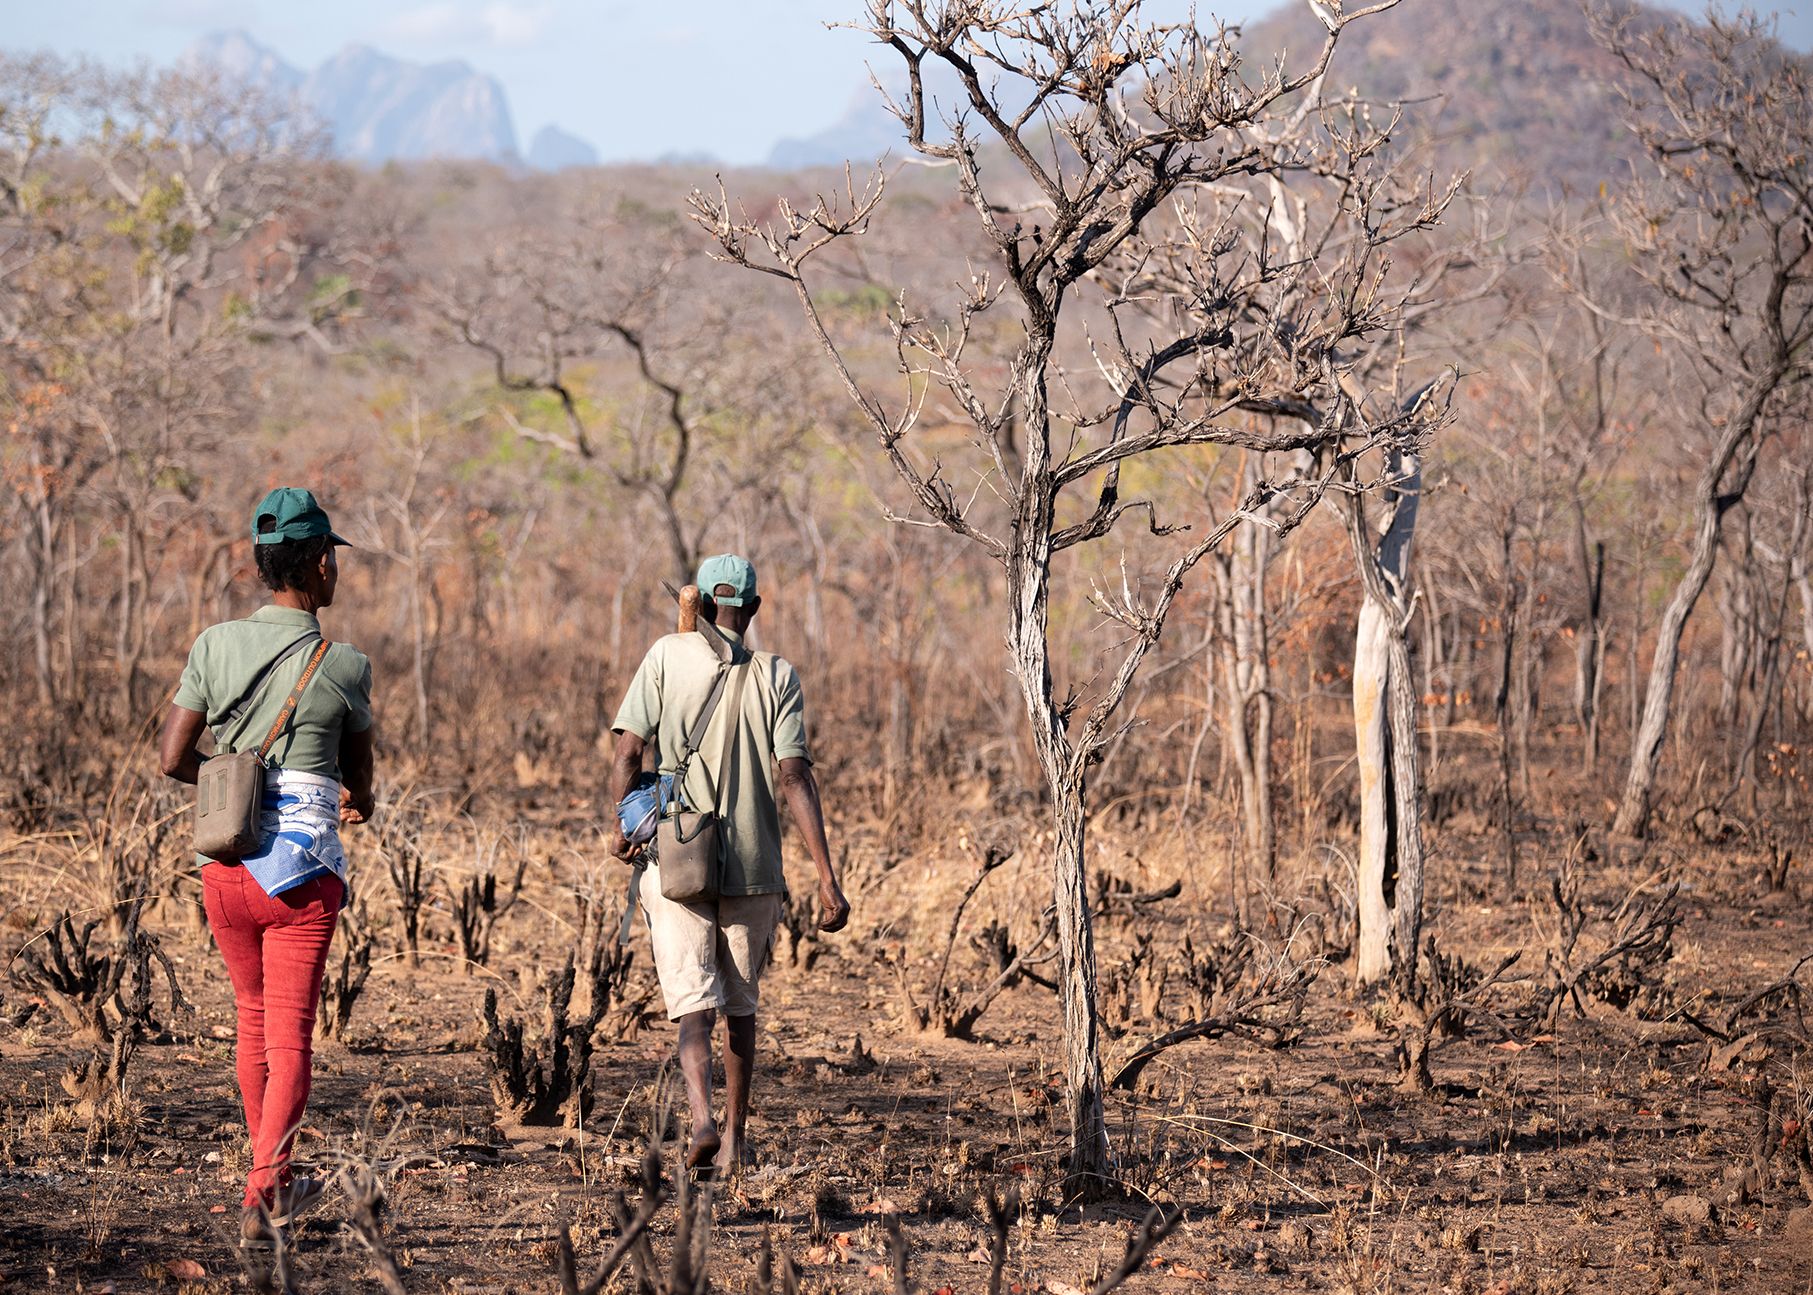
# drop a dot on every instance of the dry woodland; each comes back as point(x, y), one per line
point(1304, 594)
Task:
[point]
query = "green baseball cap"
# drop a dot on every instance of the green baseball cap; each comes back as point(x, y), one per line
point(296, 516)
point(727, 569)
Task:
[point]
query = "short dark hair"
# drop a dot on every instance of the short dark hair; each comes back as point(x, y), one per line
point(286, 564)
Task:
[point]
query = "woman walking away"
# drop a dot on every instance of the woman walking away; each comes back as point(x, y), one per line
point(270, 683)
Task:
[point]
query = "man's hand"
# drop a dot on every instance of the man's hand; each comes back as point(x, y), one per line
point(833, 908)
point(626, 764)
point(354, 810)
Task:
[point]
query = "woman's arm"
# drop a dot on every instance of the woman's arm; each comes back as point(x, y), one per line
point(355, 776)
point(176, 753)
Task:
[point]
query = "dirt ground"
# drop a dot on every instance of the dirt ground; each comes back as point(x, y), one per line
point(1604, 1152)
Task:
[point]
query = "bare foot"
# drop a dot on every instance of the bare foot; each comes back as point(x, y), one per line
point(733, 1157)
point(705, 1147)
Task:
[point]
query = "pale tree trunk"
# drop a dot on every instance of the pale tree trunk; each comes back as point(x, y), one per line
point(1390, 900)
point(1244, 647)
point(1736, 452)
point(1029, 583)
point(1371, 747)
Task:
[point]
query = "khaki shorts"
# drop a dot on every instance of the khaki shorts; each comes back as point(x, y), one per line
point(709, 956)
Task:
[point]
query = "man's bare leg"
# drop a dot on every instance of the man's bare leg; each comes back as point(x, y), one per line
point(739, 1071)
point(695, 1065)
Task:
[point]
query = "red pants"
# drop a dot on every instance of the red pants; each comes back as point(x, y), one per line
point(276, 950)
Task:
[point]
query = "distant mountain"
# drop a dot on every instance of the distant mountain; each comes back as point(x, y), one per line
point(378, 108)
point(382, 109)
point(553, 149)
point(867, 129)
point(244, 59)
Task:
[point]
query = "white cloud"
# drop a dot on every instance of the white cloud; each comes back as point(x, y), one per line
point(447, 23)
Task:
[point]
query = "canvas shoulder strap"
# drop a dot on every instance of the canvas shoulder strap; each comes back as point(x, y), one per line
point(723, 770)
point(695, 736)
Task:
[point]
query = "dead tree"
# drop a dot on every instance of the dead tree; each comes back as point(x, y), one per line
point(400, 827)
point(1340, 217)
point(476, 908)
point(409, 538)
point(1105, 119)
point(619, 1000)
point(941, 1008)
point(1720, 230)
point(1441, 1001)
point(1773, 591)
point(542, 309)
point(1390, 876)
point(1243, 643)
point(1240, 987)
point(102, 989)
point(1611, 956)
point(550, 1080)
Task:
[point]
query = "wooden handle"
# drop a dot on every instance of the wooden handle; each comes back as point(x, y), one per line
point(689, 610)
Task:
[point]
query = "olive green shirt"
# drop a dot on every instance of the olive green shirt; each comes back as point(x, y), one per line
point(227, 658)
point(662, 704)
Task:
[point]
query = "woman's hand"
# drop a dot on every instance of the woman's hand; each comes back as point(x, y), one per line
point(356, 800)
point(354, 809)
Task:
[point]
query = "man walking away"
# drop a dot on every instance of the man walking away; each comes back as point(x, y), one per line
point(710, 955)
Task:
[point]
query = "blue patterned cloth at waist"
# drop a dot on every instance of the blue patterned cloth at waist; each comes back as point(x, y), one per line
point(301, 824)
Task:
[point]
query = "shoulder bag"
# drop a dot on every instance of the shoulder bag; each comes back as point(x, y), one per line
point(229, 789)
point(689, 842)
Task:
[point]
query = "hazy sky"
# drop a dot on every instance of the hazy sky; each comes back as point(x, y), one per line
point(636, 79)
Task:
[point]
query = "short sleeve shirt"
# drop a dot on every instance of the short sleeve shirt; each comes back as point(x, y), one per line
point(665, 699)
point(227, 660)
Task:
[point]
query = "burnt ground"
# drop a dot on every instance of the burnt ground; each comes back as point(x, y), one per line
point(1600, 1153)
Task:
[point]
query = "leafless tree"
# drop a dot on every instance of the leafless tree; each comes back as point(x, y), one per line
point(152, 224)
point(405, 526)
point(546, 310)
point(1720, 229)
point(1107, 118)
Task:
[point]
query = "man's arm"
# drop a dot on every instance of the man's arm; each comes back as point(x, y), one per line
point(626, 763)
point(801, 791)
point(355, 776)
point(176, 753)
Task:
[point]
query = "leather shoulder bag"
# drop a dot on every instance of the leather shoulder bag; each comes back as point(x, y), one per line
point(229, 789)
point(689, 842)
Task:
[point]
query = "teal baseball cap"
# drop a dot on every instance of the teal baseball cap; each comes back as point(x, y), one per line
point(294, 515)
point(727, 569)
